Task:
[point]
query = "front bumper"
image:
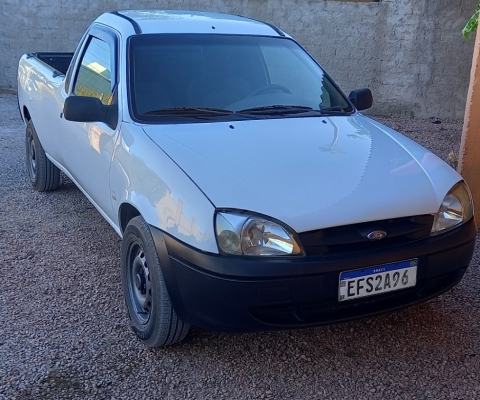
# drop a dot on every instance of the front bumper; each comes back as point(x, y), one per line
point(242, 294)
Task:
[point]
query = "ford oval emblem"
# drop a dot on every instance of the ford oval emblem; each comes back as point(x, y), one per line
point(377, 235)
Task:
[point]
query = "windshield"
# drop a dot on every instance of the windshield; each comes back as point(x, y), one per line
point(224, 76)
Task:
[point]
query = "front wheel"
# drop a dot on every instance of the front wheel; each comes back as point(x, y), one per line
point(152, 316)
point(43, 174)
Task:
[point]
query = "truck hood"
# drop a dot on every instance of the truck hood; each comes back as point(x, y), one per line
point(311, 172)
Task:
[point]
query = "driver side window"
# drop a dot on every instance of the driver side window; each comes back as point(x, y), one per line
point(94, 77)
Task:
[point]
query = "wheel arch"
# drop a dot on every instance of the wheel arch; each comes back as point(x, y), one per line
point(125, 213)
point(26, 114)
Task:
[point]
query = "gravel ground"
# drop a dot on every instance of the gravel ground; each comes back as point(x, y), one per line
point(64, 332)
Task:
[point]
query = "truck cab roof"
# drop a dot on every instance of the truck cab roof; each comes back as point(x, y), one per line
point(175, 21)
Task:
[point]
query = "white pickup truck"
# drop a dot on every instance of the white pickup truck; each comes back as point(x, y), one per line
point(249, 191)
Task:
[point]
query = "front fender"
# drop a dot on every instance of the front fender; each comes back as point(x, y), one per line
point(145, 177)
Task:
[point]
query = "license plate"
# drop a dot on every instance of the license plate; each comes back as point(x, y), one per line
point(377, 280)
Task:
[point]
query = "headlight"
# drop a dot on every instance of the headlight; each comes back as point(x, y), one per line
point(456, 208)
point(251, 235)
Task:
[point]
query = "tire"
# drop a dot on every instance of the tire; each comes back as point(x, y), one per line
point(43, 174)
point(151, 313)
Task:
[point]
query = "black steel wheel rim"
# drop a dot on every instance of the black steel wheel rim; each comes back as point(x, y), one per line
point(139, 284)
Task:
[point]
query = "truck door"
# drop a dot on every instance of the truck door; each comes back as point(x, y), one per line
point(89, 146)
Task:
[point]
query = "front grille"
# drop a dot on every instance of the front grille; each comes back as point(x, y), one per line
point(353, 238)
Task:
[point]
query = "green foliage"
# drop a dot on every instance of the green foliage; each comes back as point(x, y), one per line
point(472, 23)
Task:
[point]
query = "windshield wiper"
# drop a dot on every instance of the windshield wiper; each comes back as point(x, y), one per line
point(275, 109)
point(336, 110)
point(189, 111)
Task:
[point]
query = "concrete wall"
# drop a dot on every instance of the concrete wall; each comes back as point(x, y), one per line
point(409, 52)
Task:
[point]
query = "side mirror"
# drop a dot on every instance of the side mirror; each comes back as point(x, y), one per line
point(89, 109)
point(362, 99)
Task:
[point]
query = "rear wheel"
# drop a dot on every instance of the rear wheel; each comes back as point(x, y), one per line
point(152, 316)
point(43, 174)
